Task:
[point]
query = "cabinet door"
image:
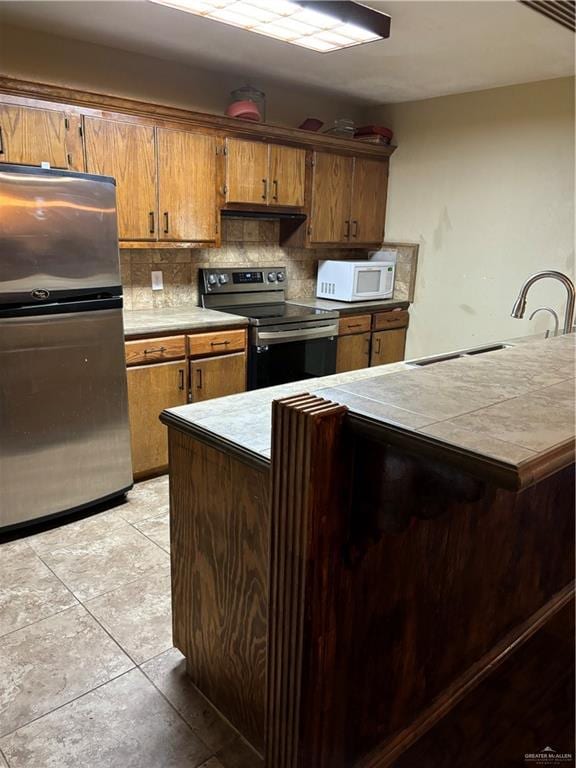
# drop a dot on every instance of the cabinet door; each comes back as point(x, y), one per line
point(217, 376)
point(368, 201)
point(353, 352)
point(331, 190)
point(126, 152)
point(388, 346)
point(187, 186)
point(247, 172)
point(151, 388)
point(32, 136)
point(287, 170)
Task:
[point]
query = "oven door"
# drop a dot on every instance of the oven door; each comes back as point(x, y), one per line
point(285, 356)
point(373, 282)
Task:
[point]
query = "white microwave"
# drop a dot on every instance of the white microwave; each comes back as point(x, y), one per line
point(355, 280)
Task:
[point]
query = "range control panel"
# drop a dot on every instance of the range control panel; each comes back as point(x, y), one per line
point(216, 280)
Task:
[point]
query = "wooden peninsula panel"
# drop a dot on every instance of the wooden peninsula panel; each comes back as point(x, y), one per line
point(219, 510)
point(347, 603)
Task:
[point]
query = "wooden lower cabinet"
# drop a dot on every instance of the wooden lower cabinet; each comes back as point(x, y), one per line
point(217, 376)
point(151, 389)
point(388, 346)
point(353, 352)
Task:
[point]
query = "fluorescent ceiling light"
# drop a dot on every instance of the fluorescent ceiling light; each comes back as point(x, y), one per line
point(322, 26)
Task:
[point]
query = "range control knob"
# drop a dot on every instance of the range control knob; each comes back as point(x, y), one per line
point(271, 277)
point(280, 277)
point(212, 279)
point(222, 279)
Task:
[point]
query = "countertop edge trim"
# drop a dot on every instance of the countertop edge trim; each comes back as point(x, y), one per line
point(245, 455)
point(508, 476)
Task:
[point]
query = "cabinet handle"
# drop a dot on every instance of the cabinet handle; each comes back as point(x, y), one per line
point(198, 378)
point(378, 345)
point(355, 325)
point(355, 231)
point(153, 350)
point(181, 378)
point(1, 142)
point(275, 195)
point(152, 226)
point(166, 224)
point(347, 230)
point(265, 195)
point(219, 343)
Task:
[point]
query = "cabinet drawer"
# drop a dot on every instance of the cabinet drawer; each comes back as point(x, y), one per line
point(394, 318)
point(216, 343)
point(155, 350)
point(356, 324)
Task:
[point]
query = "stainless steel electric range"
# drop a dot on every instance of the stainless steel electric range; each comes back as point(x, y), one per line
point(286, 342)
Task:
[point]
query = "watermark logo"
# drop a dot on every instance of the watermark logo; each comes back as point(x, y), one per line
point(548, 756)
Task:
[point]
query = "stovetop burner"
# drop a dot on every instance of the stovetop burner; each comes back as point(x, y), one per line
point(256, 293)
point(282, 312)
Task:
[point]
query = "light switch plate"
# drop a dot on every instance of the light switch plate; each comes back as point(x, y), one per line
point(157, 281)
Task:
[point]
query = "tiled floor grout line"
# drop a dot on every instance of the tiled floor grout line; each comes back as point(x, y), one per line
point(65, 704)
point(44, 618)
point(172, 706)
point(148, 537)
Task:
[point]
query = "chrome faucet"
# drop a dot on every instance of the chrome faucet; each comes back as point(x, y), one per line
point(554, 315)
point(520, 304)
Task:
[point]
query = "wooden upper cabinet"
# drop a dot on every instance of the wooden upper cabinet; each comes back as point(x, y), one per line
point(286, 178)
point(331, 190)
point(33, 136)
point(187, 186)
point(247, 171)
point(368, 201)
point(126, 152)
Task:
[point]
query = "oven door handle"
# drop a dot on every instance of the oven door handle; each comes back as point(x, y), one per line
point(301, 334)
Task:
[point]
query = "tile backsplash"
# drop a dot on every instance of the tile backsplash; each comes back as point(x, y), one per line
point(251, 242)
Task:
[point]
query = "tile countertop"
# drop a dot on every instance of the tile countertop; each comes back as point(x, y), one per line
point(507, 415)
point(351, 307)
point(147, 322)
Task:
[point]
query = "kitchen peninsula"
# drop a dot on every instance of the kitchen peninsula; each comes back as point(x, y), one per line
point(356, 559)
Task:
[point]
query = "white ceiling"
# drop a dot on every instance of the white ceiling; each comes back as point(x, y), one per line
point(435, 48)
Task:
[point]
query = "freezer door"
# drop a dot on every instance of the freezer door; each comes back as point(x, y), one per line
point(64, 433)
point(58, 235)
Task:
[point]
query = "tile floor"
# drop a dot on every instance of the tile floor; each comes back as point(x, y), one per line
point(88, 674)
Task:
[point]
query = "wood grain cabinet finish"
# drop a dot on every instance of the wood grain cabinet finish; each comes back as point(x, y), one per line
point(396, 318)
point(155, 350)
point(287, 176)
point(217, 376)
point(187, 186)
point(354, 324)
point(151, 389)
point(216, 343)
point(353, 352)
point(126, 151)
point(32, 136)
point(368, 207)
point(246, 171)
point(331, 189)
point(264, 174)
point(388, 346)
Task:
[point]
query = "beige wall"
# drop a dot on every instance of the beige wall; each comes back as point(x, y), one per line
point(484, 182)
point(33, 55)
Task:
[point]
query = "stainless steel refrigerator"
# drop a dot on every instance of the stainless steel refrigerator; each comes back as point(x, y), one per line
point(64, 432)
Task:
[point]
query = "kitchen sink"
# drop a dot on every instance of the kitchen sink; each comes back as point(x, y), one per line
point(456, 355)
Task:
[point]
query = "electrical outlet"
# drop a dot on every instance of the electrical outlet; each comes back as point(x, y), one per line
point(157, 281)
